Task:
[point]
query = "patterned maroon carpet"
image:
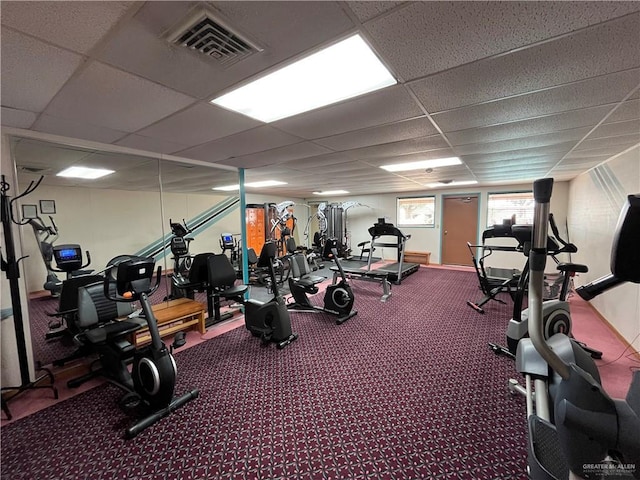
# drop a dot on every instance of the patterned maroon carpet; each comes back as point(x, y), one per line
point(406, 389)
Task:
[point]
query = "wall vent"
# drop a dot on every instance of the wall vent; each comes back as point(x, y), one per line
point(206, 33)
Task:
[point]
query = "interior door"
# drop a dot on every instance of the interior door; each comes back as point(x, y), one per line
point(459, 226)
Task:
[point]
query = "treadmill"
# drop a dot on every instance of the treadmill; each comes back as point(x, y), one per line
point(399, 270)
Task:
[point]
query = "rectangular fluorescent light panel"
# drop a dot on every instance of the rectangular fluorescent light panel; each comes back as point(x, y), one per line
point(331, 192)
point(436, 162)
point(84, 172)
point(344, 70)
point(451, 184)
point(264, 183)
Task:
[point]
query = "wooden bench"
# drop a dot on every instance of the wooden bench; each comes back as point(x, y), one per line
point(173, 316)
point(417, 257)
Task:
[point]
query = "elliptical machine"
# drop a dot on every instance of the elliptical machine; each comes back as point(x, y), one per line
point(68, 257)
point(179, 245)
point(151, 382)
point(577, 428)
point(556, 312)
point(269, 320)
point(338, 297)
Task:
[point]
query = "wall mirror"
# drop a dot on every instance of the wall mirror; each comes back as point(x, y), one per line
point(128, 211)
point(191, 206)
point(120, 213)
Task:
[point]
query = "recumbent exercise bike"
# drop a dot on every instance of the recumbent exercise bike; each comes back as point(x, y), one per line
point(150, 385)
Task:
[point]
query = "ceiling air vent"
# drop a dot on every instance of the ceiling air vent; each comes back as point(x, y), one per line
point(25, 168)
point(207, 34)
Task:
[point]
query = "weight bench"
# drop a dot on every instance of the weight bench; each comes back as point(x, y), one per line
point(367, 276)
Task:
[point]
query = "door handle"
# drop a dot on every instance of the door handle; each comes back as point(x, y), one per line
point(445, 232)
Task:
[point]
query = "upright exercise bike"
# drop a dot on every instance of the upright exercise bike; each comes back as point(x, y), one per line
point(269, 320)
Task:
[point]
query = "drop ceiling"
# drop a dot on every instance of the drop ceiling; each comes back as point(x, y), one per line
point(517, 90)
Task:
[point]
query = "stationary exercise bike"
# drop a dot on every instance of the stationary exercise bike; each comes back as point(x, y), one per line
point(575, 429)
point(338, 298)
point(556, 312)
point(150, 384)
point(269, 320)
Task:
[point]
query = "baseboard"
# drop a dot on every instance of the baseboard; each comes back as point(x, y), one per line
point(633, 351)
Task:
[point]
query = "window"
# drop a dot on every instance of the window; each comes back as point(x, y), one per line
point(503, 206)
point(416, 211)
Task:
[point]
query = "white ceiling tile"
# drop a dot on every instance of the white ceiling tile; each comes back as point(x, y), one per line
point(13, 117)
point(607, 48)
point(307, 25)
point(244, 143)
point(338, 169)
point(412, 157)
point(528, 153)
point(25, 84)
point(630, 127)
point(77, 26)
point(603, 90)
point(604, 146)
point(563, 139)
point(100, 94)
point(629, 110)
point(325, 161)
point(578, 167)
point(413, 145)
point(198, 124)
point(535, 126)
point(277, 155)
point(394, 132)
point(382, 107)
point(367, 10)
point(428, 37)
point(479, 163)
point(76, 129)
point(525, 135)
point(150, 144)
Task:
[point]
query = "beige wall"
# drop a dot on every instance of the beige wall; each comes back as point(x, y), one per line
point(359, 219)
point(114, 222)
point(595, 200)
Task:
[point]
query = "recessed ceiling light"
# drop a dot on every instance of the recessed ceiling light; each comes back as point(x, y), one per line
point(264, 183)
point(227, 188)
point(331, 192)
point(84, 172)
point(436, 162)
point(451, 183)
point(338, 72)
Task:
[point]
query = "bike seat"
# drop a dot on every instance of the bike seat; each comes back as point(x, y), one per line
point(572, 267)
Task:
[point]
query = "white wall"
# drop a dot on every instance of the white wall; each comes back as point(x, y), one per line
point(359, 219)
point(595, 200)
